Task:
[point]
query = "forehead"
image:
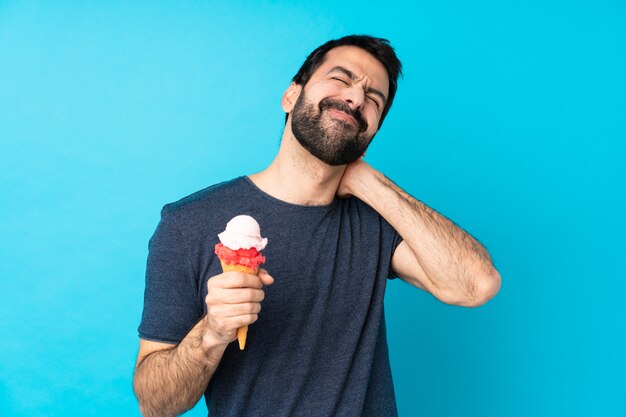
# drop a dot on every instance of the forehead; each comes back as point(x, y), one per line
point(359, 62)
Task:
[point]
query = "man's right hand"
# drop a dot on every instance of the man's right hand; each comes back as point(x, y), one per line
point(233, 300)
point(170, 378)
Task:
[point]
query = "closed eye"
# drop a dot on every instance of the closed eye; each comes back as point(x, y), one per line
point(341, 80)
point(374, 101)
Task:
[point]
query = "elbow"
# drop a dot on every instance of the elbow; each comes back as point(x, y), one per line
point(139, 397)
point(486, 288)
point(139, 394)
point(145, 410)
point(481, 291)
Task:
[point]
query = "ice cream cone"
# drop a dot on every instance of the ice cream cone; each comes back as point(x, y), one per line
point(241, 268)
point(238, 250)
point(242, 332)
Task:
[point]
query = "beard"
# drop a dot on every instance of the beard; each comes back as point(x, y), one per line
point(332, 141)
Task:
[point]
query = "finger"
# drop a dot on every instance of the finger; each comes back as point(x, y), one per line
point(217, 296)
point(239, 321)
point(241, 295)
point(234, 310)
point(214, 296)
point(265, 277)
point(226, 323)
point(236, 279)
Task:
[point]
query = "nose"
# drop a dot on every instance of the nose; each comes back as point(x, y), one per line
point(354, 97)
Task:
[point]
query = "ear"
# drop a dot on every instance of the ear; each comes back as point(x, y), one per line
point(290, 96)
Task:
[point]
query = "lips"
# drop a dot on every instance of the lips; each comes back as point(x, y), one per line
point(338, 114)
point(341, 111)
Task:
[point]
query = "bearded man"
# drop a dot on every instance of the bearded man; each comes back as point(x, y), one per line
point(338, 229)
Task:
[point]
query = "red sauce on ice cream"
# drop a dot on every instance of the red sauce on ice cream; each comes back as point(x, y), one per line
point(247, 257)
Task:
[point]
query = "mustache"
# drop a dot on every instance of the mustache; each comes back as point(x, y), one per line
point(329, 103)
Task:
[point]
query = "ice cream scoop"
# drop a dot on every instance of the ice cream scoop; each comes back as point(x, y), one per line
point(243, 232)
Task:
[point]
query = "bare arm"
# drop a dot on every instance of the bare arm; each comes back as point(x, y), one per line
point(170, 379)
point(436, 255)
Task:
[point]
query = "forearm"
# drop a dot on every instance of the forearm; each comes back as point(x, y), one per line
point(171, 381)
point(455, 263)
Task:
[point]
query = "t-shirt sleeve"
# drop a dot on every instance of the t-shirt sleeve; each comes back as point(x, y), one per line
point(171, 304)
point(394, 237)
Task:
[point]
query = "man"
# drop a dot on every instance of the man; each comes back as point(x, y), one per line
point(337, 229)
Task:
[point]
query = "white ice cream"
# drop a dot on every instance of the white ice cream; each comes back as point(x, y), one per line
point(242, 232)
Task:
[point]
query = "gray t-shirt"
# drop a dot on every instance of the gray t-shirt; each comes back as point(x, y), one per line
point(319, 347)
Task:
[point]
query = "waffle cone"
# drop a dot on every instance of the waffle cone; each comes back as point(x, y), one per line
point(242, 332)
point(241, 268)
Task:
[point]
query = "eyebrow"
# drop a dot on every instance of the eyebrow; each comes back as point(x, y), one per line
point(353, 77)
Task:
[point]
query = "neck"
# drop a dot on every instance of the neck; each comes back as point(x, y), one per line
point(297, 177)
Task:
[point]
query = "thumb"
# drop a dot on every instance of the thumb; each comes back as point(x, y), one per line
point(265, 277)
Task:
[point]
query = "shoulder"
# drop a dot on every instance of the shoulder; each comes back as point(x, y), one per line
point(204, 200)
point(368, 219)
point(355, 207)
point(359, 214)
point(206, 210)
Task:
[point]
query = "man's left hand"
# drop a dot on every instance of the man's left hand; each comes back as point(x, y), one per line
point(355, 175)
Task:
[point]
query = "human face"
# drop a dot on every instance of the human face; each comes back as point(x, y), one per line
point(335, 142)
point(337, 113)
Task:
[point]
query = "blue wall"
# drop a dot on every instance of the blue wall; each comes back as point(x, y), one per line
point(510, 121)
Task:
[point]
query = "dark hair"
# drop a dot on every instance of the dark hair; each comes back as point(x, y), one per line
point(378, 47)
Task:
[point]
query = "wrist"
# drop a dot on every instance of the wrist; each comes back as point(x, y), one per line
point(211, 342)
point(205, 343)
point(364, 183)
point(208, 339)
